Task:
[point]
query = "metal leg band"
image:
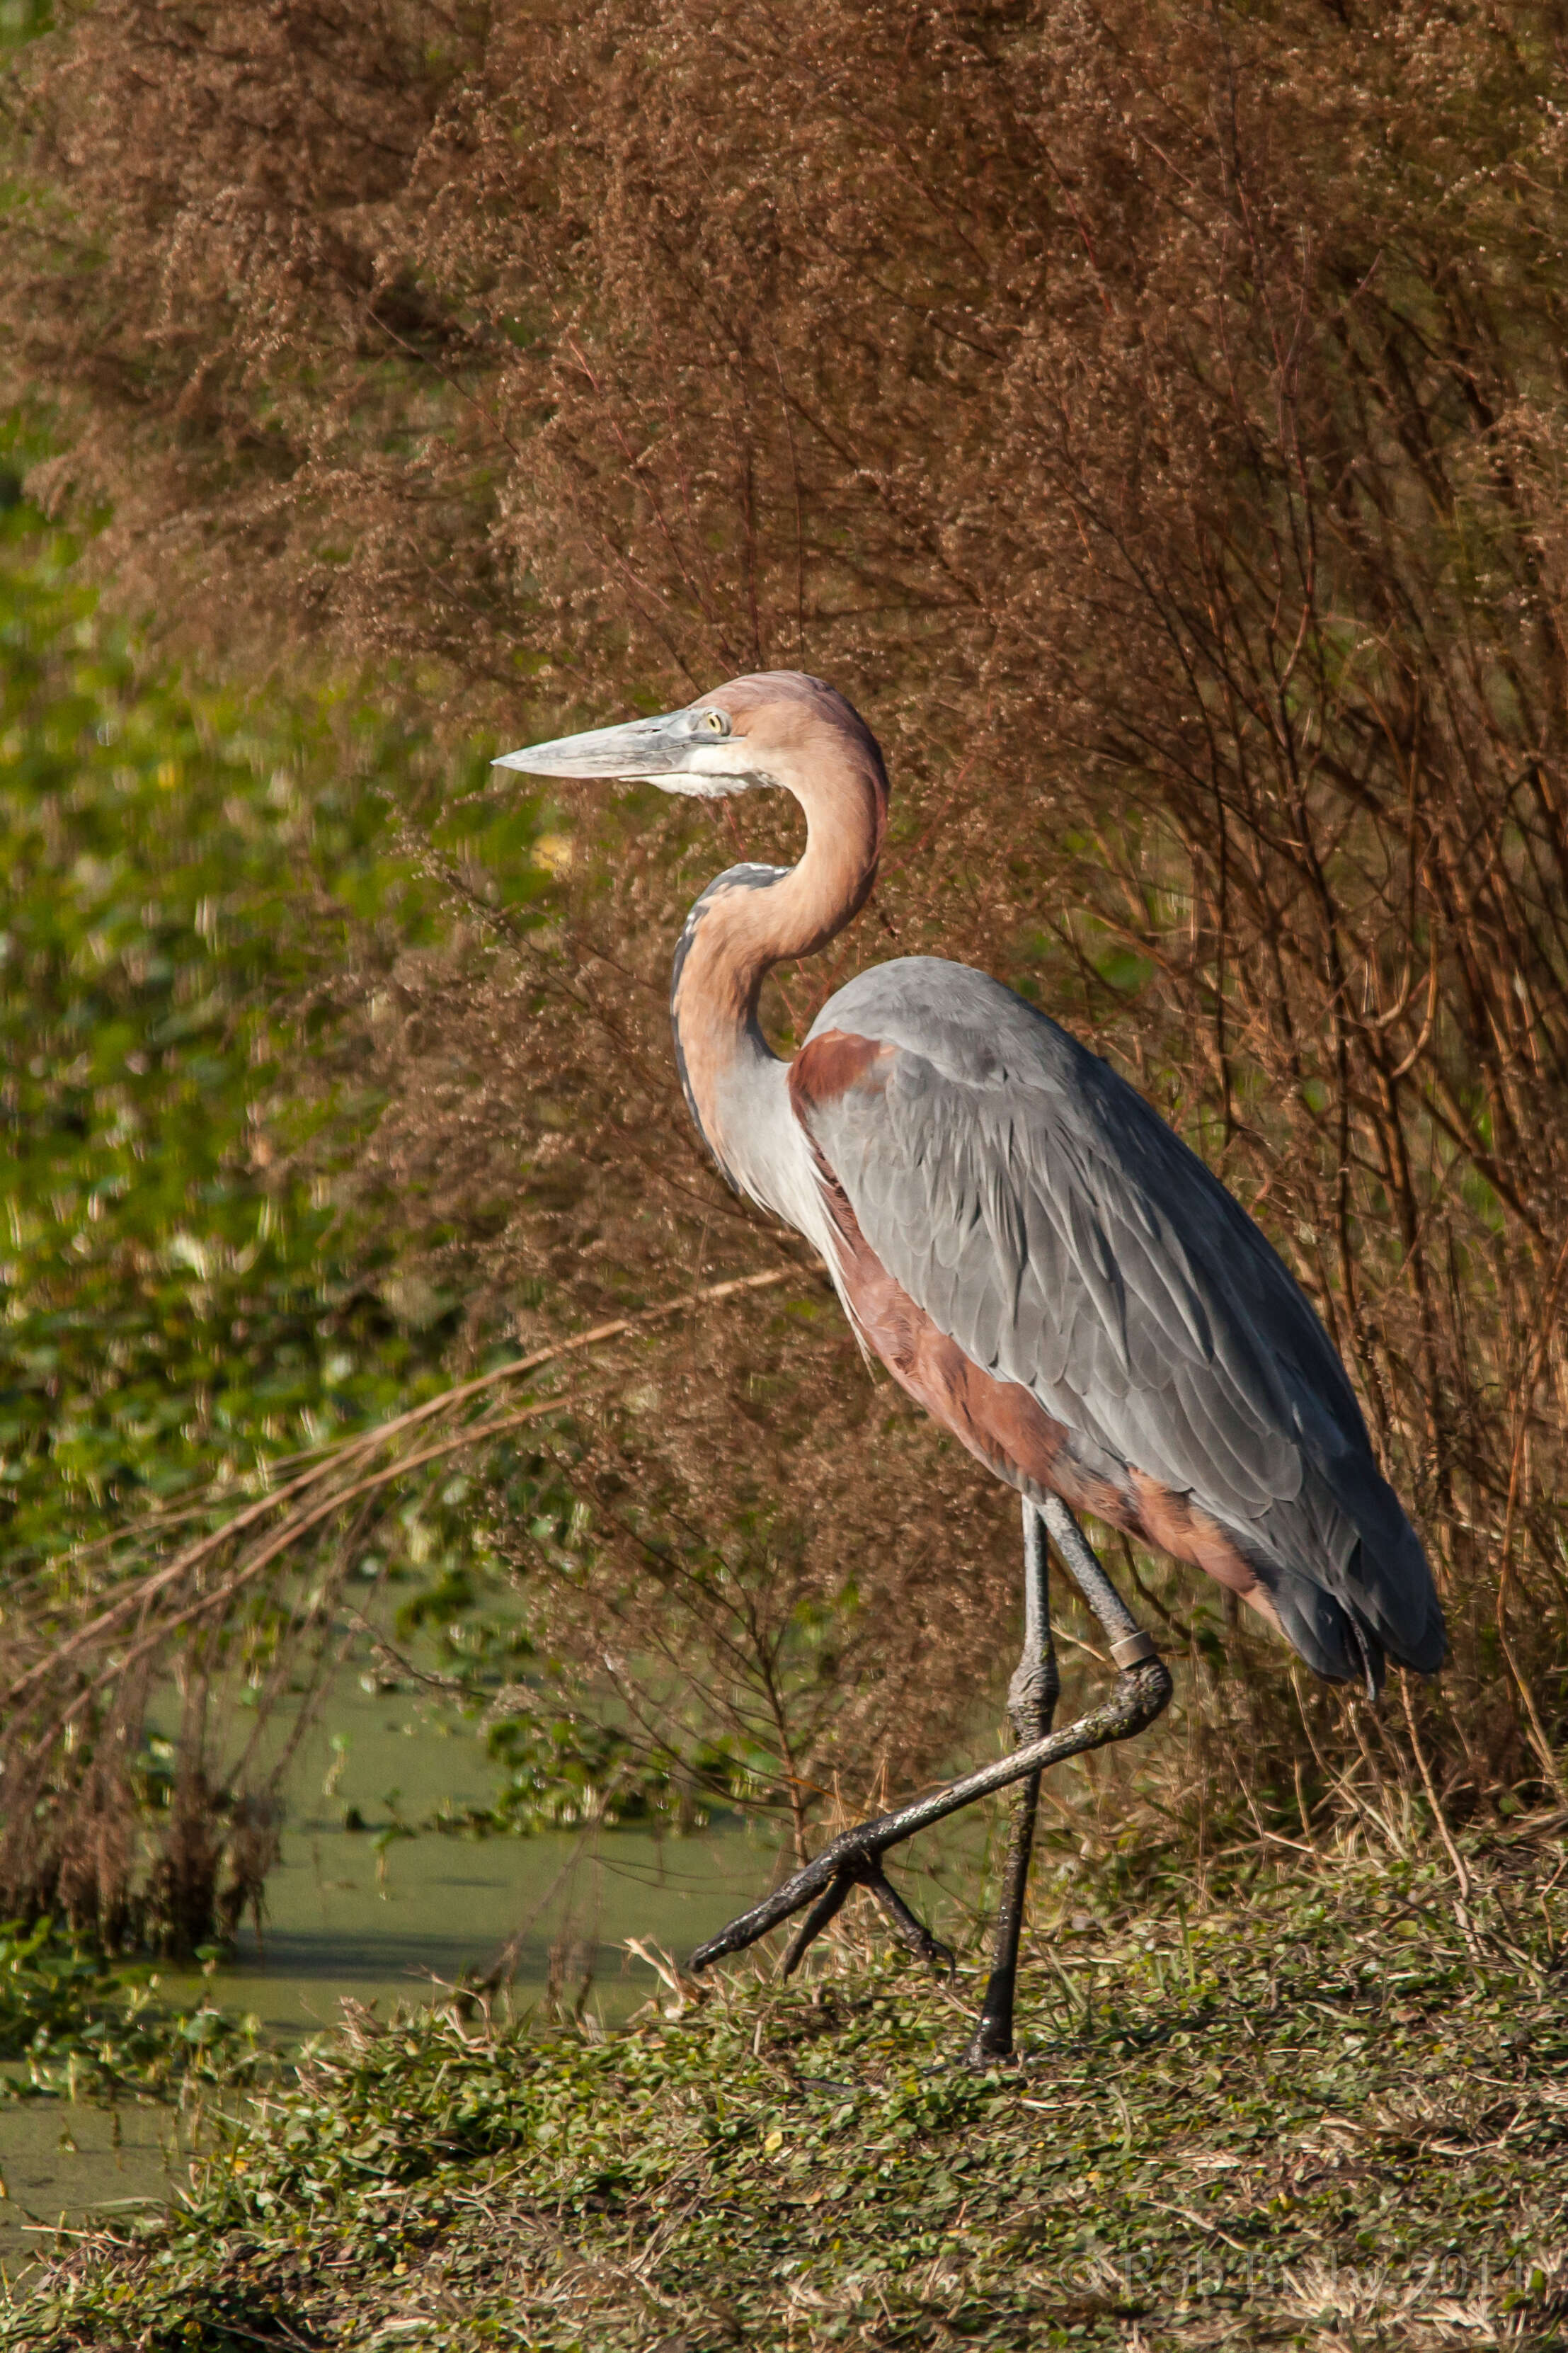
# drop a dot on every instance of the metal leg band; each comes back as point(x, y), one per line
point(1133, 1649)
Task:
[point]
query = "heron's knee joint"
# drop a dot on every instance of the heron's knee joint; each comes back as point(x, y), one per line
point(1035, 1684)
point(1143, 1693)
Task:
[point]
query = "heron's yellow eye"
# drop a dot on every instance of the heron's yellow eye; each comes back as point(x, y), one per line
point(716, 723)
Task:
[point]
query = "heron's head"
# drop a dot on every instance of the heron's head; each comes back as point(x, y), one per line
point(778, 727)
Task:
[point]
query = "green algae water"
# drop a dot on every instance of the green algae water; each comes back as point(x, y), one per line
point(394, 1912)
point(62, 2161)
point(385, 1913)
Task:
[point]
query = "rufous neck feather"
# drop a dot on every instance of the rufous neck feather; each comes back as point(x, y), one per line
point(740, 933)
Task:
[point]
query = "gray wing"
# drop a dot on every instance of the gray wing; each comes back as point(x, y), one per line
point(1046, 1219)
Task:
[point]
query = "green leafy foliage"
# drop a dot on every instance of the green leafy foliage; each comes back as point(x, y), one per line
point(204, 900)
point(561, 1771)
point(207, 898)
point(81, 2029)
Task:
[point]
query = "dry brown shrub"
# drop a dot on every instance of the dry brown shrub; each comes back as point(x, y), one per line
point(1153, 417)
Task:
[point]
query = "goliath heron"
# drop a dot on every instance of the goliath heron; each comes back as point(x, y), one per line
point(1036, 1258)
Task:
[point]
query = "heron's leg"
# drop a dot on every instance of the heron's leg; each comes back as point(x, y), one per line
point(1031, 1705)
point(1129, 1645)
point(1142, 1689)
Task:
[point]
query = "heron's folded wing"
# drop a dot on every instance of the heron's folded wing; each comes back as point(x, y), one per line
point(1047, 1221)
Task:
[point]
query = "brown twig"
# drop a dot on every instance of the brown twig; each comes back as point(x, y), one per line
point(1460, 1871)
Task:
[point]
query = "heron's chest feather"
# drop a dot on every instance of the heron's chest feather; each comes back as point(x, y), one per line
point(738, 1094)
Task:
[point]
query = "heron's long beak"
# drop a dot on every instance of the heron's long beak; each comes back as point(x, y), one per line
point(680, 751)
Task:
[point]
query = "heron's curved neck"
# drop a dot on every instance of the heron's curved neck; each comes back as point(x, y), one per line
point(748, 922)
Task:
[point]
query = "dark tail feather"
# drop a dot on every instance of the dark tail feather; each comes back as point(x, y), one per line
point(1386, 1583)
point(1389, 1590)
point(1335, 1637)
point(1334, 1644)
point(1349, 1577)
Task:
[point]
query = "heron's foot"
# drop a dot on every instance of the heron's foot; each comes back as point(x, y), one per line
point(991, 2045)
point(854, 1858)
point(978, 2060)
point(861, 1872)
point(825, 1885)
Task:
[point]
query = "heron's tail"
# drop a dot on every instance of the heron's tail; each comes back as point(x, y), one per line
point(1378, 1602)
point(1328, 1635)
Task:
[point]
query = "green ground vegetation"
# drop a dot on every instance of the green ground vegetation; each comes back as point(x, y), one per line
point(74, 2028)
point(1323, 2109)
